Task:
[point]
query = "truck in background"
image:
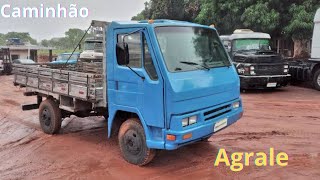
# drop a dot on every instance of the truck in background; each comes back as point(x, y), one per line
point(93, 46)
point(309, 70)
point(66, 58)
point(162, 84)
point(92, 50)
point(257, 65)
point(5, 61)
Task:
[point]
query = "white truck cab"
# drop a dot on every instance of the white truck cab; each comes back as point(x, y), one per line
point(315, 52)
point(92, 50)
point(1, 65)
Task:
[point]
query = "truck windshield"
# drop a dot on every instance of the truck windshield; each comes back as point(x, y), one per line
point(89, 46)
point(251, 45)
point(191, 48)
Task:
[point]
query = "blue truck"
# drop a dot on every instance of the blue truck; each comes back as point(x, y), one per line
point(163, 84)
point(66, 58)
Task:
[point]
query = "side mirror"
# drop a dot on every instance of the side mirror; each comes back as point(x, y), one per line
point(55, 59)
point(122, 53)
point(228, 48)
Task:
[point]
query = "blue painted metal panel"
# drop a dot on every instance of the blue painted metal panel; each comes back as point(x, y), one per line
point(162, 104)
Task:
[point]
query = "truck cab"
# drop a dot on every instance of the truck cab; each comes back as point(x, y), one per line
point(257, 65)
point(309, 70)
point(175, 76)
point(93, 50)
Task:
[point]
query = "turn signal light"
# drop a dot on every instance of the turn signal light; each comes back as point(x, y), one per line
point(171, 137)
point(187, 136)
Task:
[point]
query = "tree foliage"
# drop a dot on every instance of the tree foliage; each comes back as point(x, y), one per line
point(24, 36)
point(71, 39)
point(170, 9)
point(301, 25)
point(280, 18)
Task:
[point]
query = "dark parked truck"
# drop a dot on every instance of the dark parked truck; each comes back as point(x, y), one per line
point(309, 70)
point(162, 84)
point(257, 65)
point(5, 61)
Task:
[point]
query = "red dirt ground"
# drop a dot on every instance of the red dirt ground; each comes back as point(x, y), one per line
point(287, 119)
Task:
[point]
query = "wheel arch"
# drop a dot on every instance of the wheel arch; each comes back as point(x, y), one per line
point(120, 115)
point(315, 68)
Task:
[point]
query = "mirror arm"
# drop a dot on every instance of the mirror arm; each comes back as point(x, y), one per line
point(143, 78)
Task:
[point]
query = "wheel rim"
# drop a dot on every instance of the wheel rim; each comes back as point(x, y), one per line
point(46, 117)
point(318, 80)
point(132, 142)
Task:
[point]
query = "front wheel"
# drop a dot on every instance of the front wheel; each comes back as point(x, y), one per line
point(316, 80)
point(132, 142)
point(50, 117)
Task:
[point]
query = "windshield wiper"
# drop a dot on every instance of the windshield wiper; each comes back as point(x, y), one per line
point(194, 64)
point(225, 63)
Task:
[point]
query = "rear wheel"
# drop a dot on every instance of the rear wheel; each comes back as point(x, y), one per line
point(132, 142)
point(50, 117)
point(316, 80)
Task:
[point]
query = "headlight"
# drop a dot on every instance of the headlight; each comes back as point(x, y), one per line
point(252, 70)
point(189, 121)
point(192, 120)
point(185, 122)
point(236, 105)
point(286, 66)
point(286, 70)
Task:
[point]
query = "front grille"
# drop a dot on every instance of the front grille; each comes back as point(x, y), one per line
point(214, 113)
point(269, 69)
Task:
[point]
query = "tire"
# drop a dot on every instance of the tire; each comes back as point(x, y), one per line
point(316, 80)
point(132, 142)
point(50, 117)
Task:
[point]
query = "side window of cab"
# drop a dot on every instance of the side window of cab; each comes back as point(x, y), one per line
point(135, 48)
point(147, 61)
point(139, 52)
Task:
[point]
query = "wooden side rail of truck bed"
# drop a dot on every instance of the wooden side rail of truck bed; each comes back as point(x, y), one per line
point(81, 85)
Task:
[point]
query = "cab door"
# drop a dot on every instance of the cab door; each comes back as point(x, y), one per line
point(139, 84)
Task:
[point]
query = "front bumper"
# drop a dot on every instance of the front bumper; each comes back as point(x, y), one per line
point(261, 82)
point(202, 130)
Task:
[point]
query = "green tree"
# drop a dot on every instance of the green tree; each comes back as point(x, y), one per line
point(301, 26)
point(280, 18)
point(24, 36)
point(169, 9)
point(285, 18)
point(145, 14)
point(73, 36)
point(261, 17)
point(191, 9)
point(45, 43)
point(2, 39)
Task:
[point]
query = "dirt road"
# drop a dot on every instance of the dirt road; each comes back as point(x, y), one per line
point(287, 120)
